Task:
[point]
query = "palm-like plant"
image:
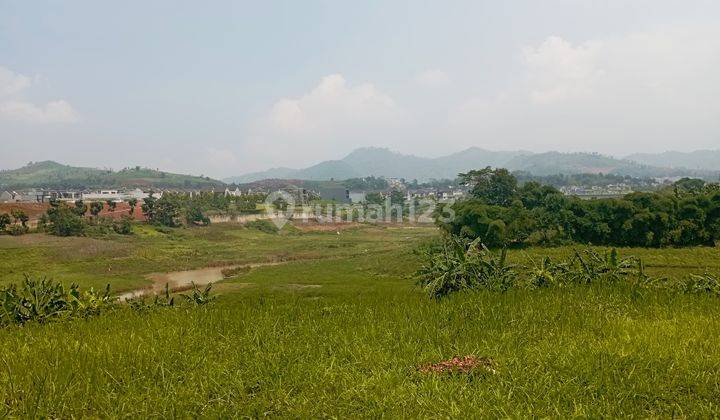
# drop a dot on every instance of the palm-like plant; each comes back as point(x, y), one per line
point(199, 297)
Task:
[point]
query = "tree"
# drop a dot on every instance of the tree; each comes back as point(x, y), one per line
point(20, 216)
point(397, 197)
point(195, 216)
point(166, 212)
point(148, 206)
point(494, 186)
point(132, 203)
point(4, 221)
point(80, 208)
point(64, 221)
point(374, 198)
point(111, 204)
point(95, 208)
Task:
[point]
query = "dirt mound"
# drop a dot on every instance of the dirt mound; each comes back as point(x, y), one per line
point(465, 364)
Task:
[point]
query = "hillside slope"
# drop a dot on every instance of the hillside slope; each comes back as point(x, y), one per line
point(49, 174)
point(699, 159)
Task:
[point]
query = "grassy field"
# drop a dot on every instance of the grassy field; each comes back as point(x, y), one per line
point(340, 331)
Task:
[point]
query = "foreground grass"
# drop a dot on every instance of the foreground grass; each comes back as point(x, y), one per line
point(343, 337)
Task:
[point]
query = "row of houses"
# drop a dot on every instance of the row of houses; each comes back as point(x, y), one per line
point(44, 196)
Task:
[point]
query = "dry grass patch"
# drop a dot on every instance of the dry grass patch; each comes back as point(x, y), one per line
point(464, 364)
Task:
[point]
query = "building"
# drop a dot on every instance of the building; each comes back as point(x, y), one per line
point(104, 195)
point(6, 197)
point(357, 197)
point(337, 194)
point(236, 193)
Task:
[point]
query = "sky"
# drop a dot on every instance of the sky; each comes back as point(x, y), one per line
point(222, 88)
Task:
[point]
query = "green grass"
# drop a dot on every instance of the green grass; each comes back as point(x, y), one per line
point(343, 336)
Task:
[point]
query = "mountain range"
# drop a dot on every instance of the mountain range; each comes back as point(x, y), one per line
point(383, 162)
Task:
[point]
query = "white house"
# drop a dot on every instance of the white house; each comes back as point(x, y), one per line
point(6, 197)
point(104, 195)
point(236, 193)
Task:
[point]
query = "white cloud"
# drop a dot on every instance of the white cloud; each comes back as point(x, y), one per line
point(11, 82)
point(11, 109)
point(432, 78)
point(52, 112)
point(332, 118)
point(560, 71)
point(654, 91)
point(331, 106)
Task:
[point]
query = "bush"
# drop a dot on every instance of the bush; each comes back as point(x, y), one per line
point(460, 264)
point(4, 221)
point(17, 230)
point(63, 221)
point(46, 300)
point(263, 226)
point(123, 226)
point(199, 297)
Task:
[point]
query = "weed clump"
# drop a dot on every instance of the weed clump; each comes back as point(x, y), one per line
point(262, 225)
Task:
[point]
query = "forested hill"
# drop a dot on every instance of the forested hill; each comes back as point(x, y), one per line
point(385, 163)
point(49, 174)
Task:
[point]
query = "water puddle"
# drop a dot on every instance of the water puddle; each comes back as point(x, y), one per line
point(182, 280)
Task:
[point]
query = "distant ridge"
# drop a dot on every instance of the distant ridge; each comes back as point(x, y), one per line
point(699, 159)
point(49, 174)
point(375, 161)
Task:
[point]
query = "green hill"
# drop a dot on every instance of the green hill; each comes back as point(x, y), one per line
point(372, 161)
point(49, 174)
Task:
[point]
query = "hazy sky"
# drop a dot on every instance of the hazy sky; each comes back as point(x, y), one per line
point(227, 87)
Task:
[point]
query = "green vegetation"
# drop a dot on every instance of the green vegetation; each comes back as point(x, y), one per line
point(458, 264)
point(338, 329)
point(14, 223)
point(50, 174)
point(63, 220)
point(43, 300)
point(262, 225)
point(501, 213)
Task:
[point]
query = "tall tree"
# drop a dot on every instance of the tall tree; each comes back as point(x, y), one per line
point(132, 203)
point(497, 187)
point(95, 208)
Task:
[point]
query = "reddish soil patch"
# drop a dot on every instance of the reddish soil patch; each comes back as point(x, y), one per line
point(465, 364)
point(123, 209)
point(33, 210)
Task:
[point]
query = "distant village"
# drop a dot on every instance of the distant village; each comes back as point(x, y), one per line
point(336, 193)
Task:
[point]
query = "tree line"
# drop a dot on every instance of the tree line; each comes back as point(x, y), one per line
point(502, 212)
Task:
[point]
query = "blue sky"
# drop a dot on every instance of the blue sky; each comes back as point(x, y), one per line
point(223, 88)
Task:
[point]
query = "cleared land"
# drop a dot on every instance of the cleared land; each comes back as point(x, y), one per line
point(340, 330)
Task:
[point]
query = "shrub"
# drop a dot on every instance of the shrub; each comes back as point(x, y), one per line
point(164, 300)
point(263, 226)
point(17, 230)
point(4, 221)
point(460, 264)
point(199, 297)
point(63, 221)
point(123, 226)
point(45, 300)
point(704, 283)
point(590, 266)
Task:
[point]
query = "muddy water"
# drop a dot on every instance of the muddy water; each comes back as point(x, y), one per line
point(180, 280)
